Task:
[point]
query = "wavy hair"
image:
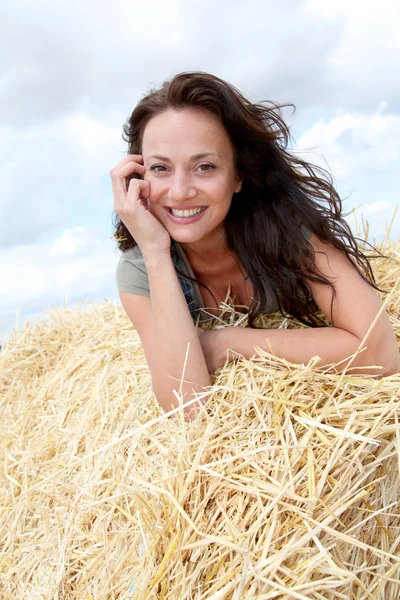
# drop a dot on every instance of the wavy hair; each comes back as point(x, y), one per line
point(279, 193)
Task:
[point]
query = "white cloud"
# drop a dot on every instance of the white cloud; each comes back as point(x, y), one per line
point(362, 64)
point(362, 153)
point(78, 264)
point(378, 207)
point(44, 168)
point(64, 57)
point(73, 71)
point(354, 144)
point(99, 57)
point(73, 242)
point(353, 9)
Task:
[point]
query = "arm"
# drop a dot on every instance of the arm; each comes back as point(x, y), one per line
point(354, 310)
point(168, 336)
point(172, 332)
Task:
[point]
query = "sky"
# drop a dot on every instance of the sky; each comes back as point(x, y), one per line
point(71, 73)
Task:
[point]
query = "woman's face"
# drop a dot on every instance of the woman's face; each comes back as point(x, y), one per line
point(189, 163)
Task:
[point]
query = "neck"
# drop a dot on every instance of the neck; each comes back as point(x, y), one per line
point(209, 255)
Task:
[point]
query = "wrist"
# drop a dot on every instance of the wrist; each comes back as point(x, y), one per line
point(224, 343)
point(154, 260)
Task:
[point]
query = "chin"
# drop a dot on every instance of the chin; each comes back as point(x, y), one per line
point(186, 239)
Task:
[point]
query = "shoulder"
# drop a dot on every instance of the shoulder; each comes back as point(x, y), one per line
point(355, 301)
point(358, 308)
point(131, 272)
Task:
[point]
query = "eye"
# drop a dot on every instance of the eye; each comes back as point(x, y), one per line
point(157, 168)
point(209, 165)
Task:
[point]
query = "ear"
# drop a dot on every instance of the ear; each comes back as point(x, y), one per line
point(239, 186)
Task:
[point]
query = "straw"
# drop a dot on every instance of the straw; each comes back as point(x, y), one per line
point(285, 486)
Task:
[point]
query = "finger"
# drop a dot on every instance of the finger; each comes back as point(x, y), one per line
point(129, 158)
point(127, 169)
point(134, 200)
point(145, 189)
point(119, 183)
point(137, 189)
point(119, 191)
point(137, 158)
point(119, 187)
point(132, 159)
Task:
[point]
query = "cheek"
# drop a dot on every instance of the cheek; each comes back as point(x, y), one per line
point(156, 188)
point(220, 188)
point(226, 192)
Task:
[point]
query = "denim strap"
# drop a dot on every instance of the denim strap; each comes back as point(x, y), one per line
point(186, 284)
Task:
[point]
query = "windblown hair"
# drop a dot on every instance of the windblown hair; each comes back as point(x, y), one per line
point(279, 193)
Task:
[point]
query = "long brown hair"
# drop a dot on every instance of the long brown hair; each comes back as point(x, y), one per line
point(279, 193)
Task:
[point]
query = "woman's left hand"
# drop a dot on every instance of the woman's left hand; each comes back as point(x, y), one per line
point(215, 347)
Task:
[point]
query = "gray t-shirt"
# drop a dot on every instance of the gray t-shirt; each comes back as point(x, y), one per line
point(131, 275)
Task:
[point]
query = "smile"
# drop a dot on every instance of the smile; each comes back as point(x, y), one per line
point(186, 216)
point(187, 213)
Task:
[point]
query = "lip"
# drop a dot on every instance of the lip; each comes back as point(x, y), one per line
point(185, 220)
point(185, 207)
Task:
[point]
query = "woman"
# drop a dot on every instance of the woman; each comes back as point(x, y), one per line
point(209, 199)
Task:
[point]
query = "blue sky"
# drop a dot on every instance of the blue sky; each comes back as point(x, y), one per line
point(73, 72)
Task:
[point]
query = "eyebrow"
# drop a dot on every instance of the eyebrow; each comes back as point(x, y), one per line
point(194, 157)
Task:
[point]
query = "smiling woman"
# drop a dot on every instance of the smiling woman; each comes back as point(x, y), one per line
point(189, 187)
point(209, 200)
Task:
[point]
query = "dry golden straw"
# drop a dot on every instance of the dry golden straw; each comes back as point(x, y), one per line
point(286, 485)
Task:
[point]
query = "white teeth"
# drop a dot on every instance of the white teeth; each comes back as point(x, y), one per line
point(185, 213)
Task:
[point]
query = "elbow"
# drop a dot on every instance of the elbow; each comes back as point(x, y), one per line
point(383, 352)
point(391, 367)
point(388, 360)
point(389, 356)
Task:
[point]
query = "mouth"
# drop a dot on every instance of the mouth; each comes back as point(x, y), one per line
point(186, 216)
point(188, 212)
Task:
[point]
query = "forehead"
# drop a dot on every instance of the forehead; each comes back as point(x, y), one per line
point(190, 130)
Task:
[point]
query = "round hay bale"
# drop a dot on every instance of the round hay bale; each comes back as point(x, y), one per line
point(285, 486)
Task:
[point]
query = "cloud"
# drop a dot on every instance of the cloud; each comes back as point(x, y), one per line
point(93, 57)
point(72, 73)
point(361, 152)
point(79, 263)
point(354, 144)
point(61, 57)
point(378, 207)
point(44, 169)
point(361, 67)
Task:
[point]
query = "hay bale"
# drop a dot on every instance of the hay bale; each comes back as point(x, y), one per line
point(286, 486)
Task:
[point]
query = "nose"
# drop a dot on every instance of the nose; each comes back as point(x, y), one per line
point(181, 187)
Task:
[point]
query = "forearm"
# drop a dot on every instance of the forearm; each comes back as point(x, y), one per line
point(298, 346)
point(176, 349)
